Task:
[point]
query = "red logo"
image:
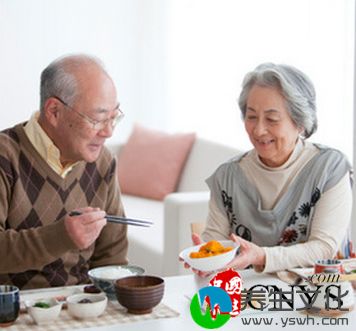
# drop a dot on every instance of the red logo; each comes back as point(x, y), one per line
point(231, 282)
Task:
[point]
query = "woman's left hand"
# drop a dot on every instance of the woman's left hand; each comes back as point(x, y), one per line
point(250, 254)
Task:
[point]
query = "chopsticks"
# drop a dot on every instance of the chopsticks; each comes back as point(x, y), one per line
point(121, 220)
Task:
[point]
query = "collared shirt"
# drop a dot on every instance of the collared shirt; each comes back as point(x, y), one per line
point(45, 146)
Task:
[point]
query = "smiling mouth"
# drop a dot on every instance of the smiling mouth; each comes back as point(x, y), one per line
point(264, 142)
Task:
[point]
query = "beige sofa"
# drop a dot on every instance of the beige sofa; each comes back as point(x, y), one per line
point(156, 249)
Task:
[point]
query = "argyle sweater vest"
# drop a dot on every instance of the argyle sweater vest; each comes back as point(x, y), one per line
point(35, 248)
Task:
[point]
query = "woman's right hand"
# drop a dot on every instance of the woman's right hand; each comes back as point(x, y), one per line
point(197, 241)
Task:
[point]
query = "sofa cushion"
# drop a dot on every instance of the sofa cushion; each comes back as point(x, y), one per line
point(151, 162)
point(204, 158)
point(146, 245)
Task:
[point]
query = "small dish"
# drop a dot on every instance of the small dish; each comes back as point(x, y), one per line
point(43, 311)
point(104, 277)
point(139, 294)
point(213, 262)
point(87, 305)
point(59, 293)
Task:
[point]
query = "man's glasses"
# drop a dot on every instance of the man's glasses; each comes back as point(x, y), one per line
point(97, 125)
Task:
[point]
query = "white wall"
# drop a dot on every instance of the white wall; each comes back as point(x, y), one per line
point(213, 44)
point(178, 64)
point(33, 33)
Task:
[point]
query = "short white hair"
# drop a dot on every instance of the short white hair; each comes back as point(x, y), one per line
point(295, 86)
point(57, 79)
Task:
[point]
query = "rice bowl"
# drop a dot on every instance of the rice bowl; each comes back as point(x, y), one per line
point(104, 277)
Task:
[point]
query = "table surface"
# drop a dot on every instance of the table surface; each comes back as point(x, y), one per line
point(179, 289)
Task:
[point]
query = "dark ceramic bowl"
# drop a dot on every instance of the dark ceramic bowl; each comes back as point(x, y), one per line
point(139, 294)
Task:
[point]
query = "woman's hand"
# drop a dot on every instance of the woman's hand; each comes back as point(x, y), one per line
point(250, 254)
point(197, 241)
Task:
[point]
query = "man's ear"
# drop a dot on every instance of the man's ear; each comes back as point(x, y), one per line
point(52, 111)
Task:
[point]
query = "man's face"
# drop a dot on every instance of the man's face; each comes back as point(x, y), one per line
point(75, 136)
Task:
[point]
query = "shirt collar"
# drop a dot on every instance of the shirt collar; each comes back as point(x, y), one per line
point(45, 146)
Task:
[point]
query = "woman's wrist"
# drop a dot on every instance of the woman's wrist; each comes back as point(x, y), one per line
point(260, 257)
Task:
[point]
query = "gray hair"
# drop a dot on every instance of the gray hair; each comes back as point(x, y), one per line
point(58, 78)
point(295, 86)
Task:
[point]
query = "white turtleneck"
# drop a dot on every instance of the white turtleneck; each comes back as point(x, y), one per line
point(330, 221)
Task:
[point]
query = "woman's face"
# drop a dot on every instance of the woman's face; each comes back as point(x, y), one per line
point(270, 126)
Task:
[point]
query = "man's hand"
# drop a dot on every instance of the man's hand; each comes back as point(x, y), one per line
point(85, 229)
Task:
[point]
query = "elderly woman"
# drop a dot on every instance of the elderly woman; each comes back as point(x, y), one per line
point(287, 201)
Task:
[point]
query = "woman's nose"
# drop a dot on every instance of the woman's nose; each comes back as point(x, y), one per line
point(260, 128)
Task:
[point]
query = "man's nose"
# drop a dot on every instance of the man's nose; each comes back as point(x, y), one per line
point(107, 130)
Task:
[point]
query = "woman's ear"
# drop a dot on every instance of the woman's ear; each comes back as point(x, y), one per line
point(301, 130)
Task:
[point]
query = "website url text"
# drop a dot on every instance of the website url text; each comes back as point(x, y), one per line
point(294, 321)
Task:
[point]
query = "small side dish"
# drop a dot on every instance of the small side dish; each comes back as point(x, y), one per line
point(87, 305)
point(91, 289)
point(60, 294)
point(44, 311)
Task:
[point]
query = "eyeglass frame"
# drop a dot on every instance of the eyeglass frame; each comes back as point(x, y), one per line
point(114, 121)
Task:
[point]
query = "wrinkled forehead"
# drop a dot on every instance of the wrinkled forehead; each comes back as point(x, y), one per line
point(97, 91)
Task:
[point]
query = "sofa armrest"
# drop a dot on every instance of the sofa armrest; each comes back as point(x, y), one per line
point(181, 209)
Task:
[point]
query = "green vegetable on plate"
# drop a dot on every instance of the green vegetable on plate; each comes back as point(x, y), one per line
point(41, 304)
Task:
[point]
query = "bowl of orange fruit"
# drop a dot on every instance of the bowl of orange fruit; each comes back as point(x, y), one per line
point(210, 256)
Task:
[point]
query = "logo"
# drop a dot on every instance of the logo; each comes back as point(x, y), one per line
point(221, 300)
point(217, 304)
point(225, 298)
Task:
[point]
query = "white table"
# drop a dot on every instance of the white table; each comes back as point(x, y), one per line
point(175, 297)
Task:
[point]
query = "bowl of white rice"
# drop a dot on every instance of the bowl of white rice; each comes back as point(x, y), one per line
point(104, 277)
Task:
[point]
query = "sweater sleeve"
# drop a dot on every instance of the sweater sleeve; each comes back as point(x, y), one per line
point(112, 245)
point(329, 226)
point(28, 249)
point(217, 225)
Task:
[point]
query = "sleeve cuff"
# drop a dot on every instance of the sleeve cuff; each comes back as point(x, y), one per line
point(261, 268)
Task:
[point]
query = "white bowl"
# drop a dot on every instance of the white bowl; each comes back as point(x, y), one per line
point(44, 315)
point(107, 285)
point(213, 262)
point(87, 310)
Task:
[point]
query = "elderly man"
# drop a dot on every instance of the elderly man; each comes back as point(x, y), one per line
point(57, 163)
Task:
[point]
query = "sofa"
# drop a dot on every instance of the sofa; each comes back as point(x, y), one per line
point(156, 249)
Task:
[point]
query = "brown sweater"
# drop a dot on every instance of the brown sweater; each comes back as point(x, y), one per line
point(35, 249)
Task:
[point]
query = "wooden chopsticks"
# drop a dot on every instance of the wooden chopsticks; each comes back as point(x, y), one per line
point(121, 220)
